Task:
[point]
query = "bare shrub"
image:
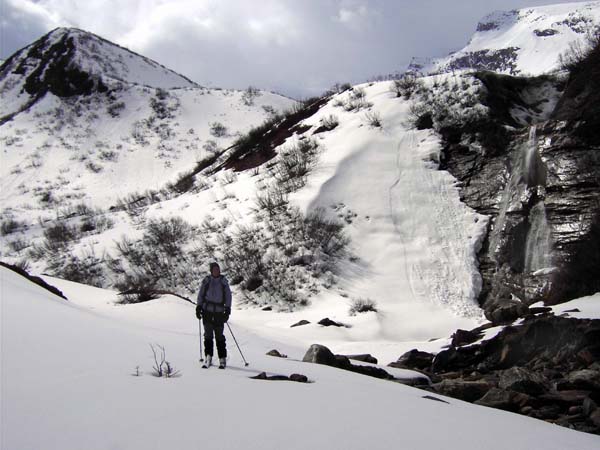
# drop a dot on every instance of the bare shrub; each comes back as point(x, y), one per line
point(167, 235)
point(114, 109)
point(362, 305)
point(579, 50)
point(137, 289)
point(324, 233)
point(96, 224)
point(93, 167)
point(329, 123)
point(58, 236)
point(249, 95)
point(17, 245)
point(211, 147)
point(108, 155)
point(416, 112)
point(217, 129)
point(373, 119)
point(272, 201)
point(87, 269)
point(23, 264)
point(295, 163)
point(357, 100)
point(9, 226)
point(405, 86)
point(184, 183)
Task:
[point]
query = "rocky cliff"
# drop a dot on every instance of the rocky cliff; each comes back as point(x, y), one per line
point(534, 168)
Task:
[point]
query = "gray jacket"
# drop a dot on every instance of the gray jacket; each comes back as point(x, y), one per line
point(214, 294)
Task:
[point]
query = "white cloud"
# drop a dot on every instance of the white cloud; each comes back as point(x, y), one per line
point(297, 47)
point(357, 16)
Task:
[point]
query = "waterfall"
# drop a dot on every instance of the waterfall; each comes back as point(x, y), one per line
point(539, 240)
point(533, 169)
point(527, 179)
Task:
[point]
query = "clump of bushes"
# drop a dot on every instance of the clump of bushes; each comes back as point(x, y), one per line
point(217, 129)
point(329, 123)
point(356, 100)
point(373, 119)
point(362, 305)
point(162, 258)
point(87, 269)
point(249, 95)
point(114, 109)
point(579, 50)
point(454, 101)
point(405, 86)
point(9, 226)
point(295, 163)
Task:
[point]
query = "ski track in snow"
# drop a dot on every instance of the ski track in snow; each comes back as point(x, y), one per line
point(393, 213)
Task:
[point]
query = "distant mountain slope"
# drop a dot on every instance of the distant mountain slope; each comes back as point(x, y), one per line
point(523, 42)
point(69, 61)
point(93, 122)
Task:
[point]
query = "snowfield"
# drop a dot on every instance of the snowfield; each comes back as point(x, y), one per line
point(413, 243)
point(526, 41)
point(67, 384)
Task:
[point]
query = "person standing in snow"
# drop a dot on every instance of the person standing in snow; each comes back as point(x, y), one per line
point(213, 308)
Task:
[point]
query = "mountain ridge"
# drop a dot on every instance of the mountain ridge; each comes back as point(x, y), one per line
point(526, 41)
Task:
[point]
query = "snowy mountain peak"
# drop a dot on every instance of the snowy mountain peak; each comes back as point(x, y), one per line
point(69, 61)
point(527, 41)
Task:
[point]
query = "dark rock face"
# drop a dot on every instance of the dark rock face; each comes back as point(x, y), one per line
point(327, 322)
point(503, 399)
point(464, 337)
point(300, 323)
point(56, 71)
point(538, 185)
point(506, 312)
point(36, 280)
point(363, 358)
point(546, 32)
point(298, 378)
point(502, 60)
point(464, 390)
point(522, 380)
point(320, 354)
point(547, 368)
point(276, 354)
point(414, 359)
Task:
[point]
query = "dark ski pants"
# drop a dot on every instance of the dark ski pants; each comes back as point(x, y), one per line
point(214, 325)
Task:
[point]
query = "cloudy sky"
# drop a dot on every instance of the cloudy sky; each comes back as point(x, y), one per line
point(297, 47)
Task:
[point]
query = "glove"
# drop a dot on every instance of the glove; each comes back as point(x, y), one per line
point(226, 315)
point(199, 312)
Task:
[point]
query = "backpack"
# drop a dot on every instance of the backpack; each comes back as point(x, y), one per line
point(205, 284)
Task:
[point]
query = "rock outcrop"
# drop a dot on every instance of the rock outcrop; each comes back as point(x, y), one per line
point(548, 368)
point(537, 176)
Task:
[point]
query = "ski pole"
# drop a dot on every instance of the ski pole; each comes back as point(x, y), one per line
point(237, 345)
point(200, 334)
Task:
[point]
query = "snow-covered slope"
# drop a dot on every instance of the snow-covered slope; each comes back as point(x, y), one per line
point(80, 55)
point(413, 243)
point(527, 41)
point(118, 124)
point(67, 374)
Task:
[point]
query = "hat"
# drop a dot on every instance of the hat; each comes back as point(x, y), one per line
point(212, 265)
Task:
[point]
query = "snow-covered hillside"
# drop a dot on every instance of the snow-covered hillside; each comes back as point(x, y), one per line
point(527, 41)
point(137, 126)
point(63, 377)
point(413, 244)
